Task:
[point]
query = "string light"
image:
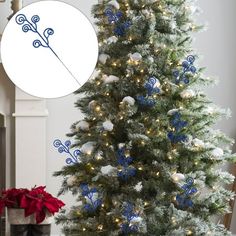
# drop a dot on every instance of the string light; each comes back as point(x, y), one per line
point(98, 108)
point(117, 220)
point(193, 27)
point(140, 168)
point(127, 153)
point(100, 227)
point(99, 157)
point(98, 82)
point(89, 153)
point(189, 232)
point(84, 229)
point(158, 174)
point(148, 132)
point(173, 220)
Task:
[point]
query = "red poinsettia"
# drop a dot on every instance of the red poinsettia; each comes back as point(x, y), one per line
point(35, 201)
point(11, 198)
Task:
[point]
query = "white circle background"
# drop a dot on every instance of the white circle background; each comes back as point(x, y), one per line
point(38, 71)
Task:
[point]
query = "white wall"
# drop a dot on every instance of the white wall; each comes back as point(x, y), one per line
point(218, 50)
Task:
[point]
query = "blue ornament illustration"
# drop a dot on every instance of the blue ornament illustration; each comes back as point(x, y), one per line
point(184, 200)
point(43, 39)
point(129, 214)
point(187, 66)
point(124, 161)
point(73, 159)
point(91, 195)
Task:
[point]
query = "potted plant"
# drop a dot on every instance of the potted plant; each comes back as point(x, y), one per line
point(29, 211)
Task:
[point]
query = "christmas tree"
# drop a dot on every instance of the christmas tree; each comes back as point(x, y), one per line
point(149, 161)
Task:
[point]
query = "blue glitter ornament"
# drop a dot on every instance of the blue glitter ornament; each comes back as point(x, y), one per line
point(145, 101)
point(129, 214)
point(184, 200)
point(177, 138)
point(178, 124)
point(150, 86)
point(93, 204)
point(151, 89)
point(115, 18)
point(127, 171)
point(187, 66)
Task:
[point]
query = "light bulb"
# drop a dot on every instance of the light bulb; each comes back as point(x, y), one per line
point(100, 227)
point(189, 232)
point(98, 108)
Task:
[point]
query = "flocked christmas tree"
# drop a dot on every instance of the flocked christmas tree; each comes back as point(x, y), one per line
point(149, 158)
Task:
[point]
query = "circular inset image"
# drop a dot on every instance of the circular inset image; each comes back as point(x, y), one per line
point(49, 49)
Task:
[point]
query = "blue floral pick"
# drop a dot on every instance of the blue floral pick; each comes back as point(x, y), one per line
point(73, 157)
point(187, 66)
point(178, 124)
point(115, 18)
point(129, 214)
point(184, 200)
point(151, 89)
point(89, 193)
point(43, 38)
point(124, 161)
